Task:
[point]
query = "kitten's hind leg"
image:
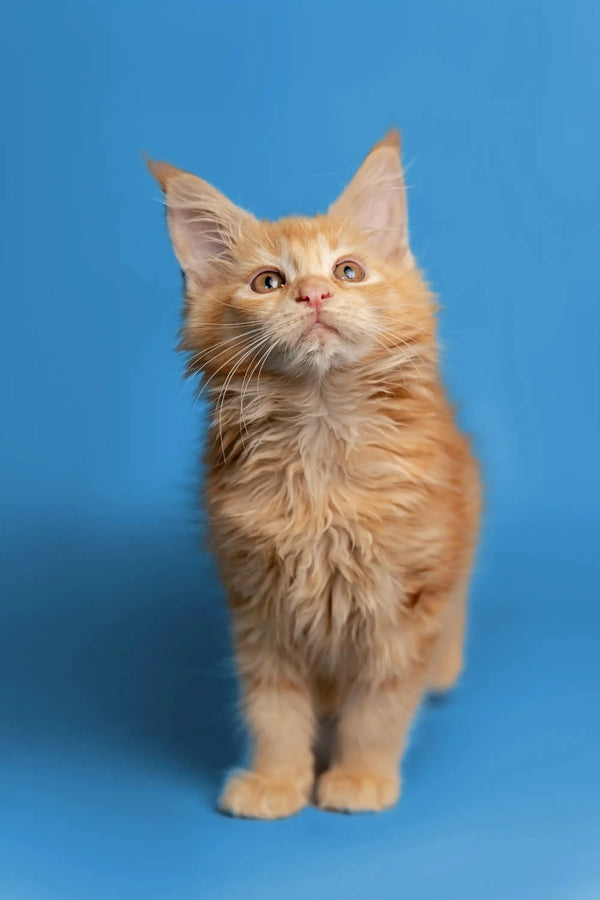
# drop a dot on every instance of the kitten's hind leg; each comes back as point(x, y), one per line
point(447, 657)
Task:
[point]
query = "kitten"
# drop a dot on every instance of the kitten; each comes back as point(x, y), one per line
point(343, 500)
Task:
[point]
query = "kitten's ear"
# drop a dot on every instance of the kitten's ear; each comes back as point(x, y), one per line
point(375, 201)
point(204, 225)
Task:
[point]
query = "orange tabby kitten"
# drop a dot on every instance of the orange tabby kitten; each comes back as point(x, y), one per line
point(343, 500)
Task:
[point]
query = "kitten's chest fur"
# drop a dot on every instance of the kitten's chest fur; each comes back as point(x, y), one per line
point(311, 522)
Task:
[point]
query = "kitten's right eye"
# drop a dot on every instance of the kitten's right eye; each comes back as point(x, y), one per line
point(265, 282)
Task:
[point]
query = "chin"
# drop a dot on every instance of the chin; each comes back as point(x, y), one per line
point(322, 351)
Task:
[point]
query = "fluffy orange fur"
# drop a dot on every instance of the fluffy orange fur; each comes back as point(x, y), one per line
point(343, 500)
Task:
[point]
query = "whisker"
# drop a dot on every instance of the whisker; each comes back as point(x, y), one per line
point(197, 356)
point(221, 398)
point(227, 362)
point(404, 324)
point(254, 348)
point(247, 379)
point(410, 355)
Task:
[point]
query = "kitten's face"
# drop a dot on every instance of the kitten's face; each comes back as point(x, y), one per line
point(299, 295)
point(307, 294)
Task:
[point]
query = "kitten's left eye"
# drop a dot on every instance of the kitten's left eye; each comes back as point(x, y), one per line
point(349, 270)
point(265, 282)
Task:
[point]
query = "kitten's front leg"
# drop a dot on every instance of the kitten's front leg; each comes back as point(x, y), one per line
point(280, 717)
point(371, 735)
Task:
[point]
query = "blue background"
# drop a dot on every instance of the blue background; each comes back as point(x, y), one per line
point(117, 709)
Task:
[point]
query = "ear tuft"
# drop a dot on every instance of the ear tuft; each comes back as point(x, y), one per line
point(204, 225)
point(392, 139)
point(162, 171)
point(375, 201)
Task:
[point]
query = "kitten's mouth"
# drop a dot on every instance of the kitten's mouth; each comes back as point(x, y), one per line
point(320, 327)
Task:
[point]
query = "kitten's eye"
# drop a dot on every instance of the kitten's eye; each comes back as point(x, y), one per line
point(265, 282)
point(349, 270)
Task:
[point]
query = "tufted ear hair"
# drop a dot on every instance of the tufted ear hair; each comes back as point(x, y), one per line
point(204, 225)
point(375, 201)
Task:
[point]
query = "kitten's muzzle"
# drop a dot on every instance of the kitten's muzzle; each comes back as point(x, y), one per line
point(314, 292)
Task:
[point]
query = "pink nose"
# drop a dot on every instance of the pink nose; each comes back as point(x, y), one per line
point(314, 292)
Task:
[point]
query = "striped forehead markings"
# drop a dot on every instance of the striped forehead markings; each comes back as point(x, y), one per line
point(311, 256)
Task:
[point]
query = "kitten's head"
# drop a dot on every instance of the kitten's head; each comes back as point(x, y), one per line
point(301, 295)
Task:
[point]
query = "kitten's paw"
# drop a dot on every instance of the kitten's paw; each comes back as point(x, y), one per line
point(255, 796)
point(347, 791)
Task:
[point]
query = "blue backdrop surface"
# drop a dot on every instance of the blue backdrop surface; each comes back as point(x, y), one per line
point(117, 706)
